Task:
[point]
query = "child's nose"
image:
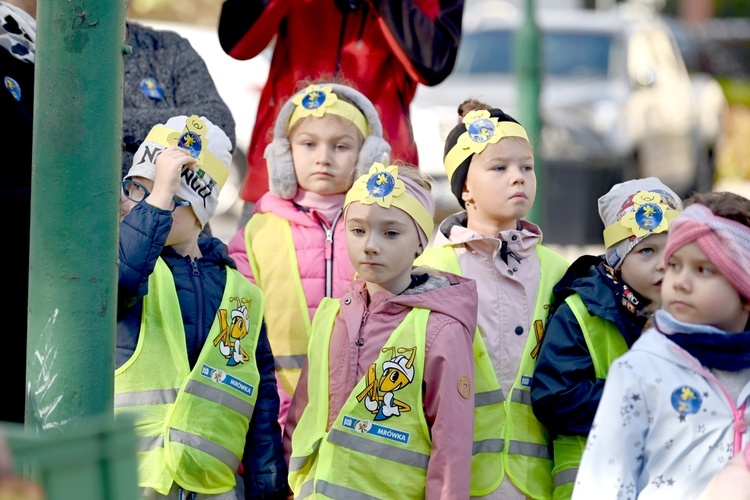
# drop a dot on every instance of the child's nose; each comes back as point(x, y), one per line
point(324, 156)
point(371, 245)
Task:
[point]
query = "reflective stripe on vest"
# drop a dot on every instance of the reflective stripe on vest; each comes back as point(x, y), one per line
point(525, 456)
point(273, 259)
point(178, 409)
point(605, 343)
point(369, 434)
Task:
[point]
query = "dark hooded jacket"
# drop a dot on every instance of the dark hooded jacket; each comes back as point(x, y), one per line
point(200, 287)
point(565, 392)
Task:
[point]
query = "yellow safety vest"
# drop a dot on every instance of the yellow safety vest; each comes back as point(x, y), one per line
point(605, 343)
point(192, 423)
point(371, 450)
point(508, 439)
point(273, 259)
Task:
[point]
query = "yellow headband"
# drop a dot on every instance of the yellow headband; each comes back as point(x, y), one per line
point(318, 101)
point(194, 140)
point(381, 185)
point(481, 129)
point(649, 215)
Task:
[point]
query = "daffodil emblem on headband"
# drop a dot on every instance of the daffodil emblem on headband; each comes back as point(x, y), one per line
point(381, 185)
point(317, 101)
point(314, 100)
point(482, 129)
point(649, 215)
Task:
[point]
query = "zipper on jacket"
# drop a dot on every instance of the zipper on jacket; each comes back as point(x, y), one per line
point(200, 326)
point(359, 342)
point(329, 253)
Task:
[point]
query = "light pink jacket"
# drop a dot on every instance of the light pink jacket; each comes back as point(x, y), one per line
point(508, 294)
point(361, 330)
point(310, 230)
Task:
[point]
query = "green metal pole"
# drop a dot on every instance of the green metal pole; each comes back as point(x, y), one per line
point(527, 68)
point(74, 210)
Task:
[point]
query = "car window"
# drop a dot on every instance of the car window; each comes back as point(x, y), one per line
point(577, 55)
point(485, 52)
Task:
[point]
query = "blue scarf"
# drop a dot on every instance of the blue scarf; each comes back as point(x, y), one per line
point(711, 346)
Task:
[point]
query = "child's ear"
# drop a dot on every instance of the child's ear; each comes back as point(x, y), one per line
point(466, 195)
point(419, 251)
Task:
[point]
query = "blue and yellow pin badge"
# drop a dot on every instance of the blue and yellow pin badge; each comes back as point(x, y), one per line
point(13, 88)
point(313, 99)
point(192, 138)
point(686, 401)
point(481, 129)
point(151, 88)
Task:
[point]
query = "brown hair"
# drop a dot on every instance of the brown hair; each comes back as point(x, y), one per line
point(724, 204)
point(471, 105)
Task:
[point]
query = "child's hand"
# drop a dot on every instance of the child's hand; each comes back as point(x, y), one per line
point(169, 165)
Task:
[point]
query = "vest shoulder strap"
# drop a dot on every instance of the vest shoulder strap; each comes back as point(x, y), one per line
point(604, 340)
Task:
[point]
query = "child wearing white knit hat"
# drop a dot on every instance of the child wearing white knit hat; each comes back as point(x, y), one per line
point(674, 410)
point(191, 344)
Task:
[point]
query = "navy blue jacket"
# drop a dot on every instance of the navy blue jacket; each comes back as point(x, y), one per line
point(565, 392)
point(200, 287)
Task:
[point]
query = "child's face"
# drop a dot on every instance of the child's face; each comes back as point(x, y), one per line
point(382, 243)
point(325, 152)
point(695, 291)
point(184, 221)
point(501, 183)
point(642, 268)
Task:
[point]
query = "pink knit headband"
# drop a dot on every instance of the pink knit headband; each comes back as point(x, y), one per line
point(725, 242)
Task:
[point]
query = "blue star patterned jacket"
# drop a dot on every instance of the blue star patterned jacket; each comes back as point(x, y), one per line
point(666, 423)
point(200, 286)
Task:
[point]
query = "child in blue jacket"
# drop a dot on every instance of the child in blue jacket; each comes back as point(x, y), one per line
point(601, 306)
point(193, 360)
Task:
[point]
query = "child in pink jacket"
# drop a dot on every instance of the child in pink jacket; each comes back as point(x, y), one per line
point(293, 246)
point(385, 403)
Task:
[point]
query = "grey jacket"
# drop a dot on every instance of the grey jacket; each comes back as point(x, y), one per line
point(187, 87)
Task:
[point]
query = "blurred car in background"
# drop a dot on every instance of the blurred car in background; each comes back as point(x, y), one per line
point(239, 83)
point(616, 103)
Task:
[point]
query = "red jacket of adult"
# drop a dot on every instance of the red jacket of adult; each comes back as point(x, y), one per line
point(383, 48)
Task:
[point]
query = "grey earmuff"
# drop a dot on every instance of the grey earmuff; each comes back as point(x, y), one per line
point(282, 179)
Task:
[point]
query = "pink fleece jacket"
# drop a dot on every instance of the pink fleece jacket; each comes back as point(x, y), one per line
point(309, 236)
point(360, 331)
